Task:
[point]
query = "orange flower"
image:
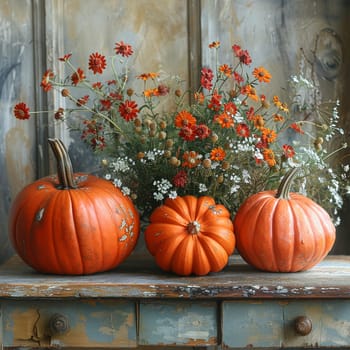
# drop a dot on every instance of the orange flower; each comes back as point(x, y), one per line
point(214, 45)
point(268, 135)
point(151, 92)
point(284, 107)
point(217, 154)
point(199, 97)
point(226, 70)
point(250, 92)
point(262, 74)
point(184, 118)
point(278, 118)
point(225, 120)
point(146, 76)
point(269, 157)
point(190, 159)
point(259, 121)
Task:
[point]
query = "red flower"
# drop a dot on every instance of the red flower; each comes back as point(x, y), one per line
point(128, 110)
point(250, 113)
point(59, 114)
point(180, 179)
point(202, 131)
point(188, 132)
point(288, 151)
point(83, 100)
point(163, 90)
point(215, 102)
point(45, 81)
point(65, 58)
point(21, 111)
point(296, 127)
point(230, 108)
point(242, 130)
point(243, 55)
point(106, 105)
point(98, 85)
point(97, 63)
point(123, 49)
point(115, 96)
point(207, 76)
point(78, 76)
point(239, 79)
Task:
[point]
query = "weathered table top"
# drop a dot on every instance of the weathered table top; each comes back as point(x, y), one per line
point(139, 278)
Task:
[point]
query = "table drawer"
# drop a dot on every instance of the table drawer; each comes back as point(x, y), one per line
point(279, 323)
point(178, 323)
point(69, 324)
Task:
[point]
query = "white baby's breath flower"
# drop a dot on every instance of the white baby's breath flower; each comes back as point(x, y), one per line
point(158, 196)
point(126, 191)
point(117, 183)
point(246, 176)
point(202, 188)
point(172, 194)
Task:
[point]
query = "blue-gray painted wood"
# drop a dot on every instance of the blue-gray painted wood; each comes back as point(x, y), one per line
point(98, 324)
point(17, 139)
point(271, 323)
point(178, 323)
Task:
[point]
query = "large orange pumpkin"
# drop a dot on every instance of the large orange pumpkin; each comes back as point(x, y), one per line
point(190, 235)
point(282, 231)
point(72, 223)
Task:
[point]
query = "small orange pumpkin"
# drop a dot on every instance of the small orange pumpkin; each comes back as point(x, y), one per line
point(190, 235)
point(72, 223)
point(282, 231)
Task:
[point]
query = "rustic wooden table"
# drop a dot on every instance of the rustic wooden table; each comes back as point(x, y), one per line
point(138, 305)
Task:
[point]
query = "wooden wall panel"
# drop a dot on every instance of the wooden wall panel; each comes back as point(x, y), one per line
point(17, 139)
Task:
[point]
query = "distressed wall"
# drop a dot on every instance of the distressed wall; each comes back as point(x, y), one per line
point(166, 35)
point(17, 139)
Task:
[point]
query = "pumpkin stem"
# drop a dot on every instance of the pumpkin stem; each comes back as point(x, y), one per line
point(63, 164)
point(194, 227)
point(286, 184)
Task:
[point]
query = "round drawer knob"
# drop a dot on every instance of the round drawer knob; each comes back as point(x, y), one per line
point(303, 325)
point(58, 324)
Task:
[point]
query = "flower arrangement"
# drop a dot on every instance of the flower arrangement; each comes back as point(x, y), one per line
point(227, 140)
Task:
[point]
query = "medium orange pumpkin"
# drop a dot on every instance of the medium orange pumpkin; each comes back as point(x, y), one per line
point(72, 223)
point(282, 231)
point(190, 235)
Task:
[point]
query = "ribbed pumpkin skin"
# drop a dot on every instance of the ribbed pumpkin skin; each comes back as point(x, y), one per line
point(85, 230)
point(283, 235)
point(168, 236)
